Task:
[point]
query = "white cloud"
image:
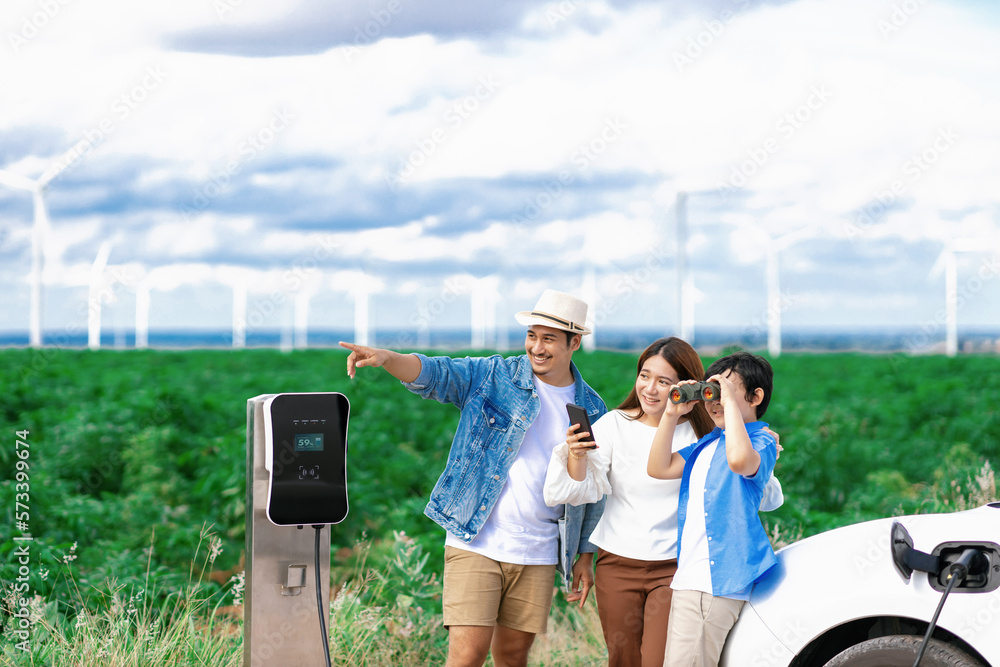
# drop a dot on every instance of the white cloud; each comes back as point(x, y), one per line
point(809, 113)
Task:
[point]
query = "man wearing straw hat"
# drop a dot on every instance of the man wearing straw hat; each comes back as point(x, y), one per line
point(503, 543)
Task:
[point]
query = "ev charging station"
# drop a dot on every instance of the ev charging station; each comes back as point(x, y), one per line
point(296, 485)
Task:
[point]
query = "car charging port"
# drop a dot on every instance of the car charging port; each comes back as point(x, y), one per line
point(971, 559)
point(981, 574)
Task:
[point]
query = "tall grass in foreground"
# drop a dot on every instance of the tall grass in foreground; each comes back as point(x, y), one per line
point(128, 624)
point(385, 611)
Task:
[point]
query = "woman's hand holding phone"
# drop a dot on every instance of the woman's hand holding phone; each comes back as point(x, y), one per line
point(579, 440)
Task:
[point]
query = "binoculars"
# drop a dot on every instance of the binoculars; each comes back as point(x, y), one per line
point(699, 391)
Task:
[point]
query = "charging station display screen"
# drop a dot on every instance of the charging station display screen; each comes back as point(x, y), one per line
point(306, 447)
point(308, 442)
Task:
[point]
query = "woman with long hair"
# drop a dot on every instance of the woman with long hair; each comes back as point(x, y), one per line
point(637, 534)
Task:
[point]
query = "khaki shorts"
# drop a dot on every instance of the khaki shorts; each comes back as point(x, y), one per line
point(697, 628)
point(481, 591)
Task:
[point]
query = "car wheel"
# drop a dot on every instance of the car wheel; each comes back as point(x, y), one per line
point(901, 651)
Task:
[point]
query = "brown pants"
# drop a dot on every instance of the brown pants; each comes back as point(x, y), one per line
point(633, 600)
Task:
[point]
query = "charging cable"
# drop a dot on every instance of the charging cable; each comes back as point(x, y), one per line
point(319, 601)
point(957, 572)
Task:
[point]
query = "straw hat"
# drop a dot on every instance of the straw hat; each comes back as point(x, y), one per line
point(557, 310)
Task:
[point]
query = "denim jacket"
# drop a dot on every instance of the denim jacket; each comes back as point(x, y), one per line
point(498, 402)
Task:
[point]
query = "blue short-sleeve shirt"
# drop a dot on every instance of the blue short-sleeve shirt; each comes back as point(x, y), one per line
point(740, 552)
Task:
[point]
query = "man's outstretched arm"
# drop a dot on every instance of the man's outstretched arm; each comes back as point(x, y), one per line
point(403, 367)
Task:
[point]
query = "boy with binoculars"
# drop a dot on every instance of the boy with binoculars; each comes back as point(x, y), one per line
point(722, 545)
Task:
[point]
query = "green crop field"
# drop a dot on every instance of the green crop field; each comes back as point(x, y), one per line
point(132, 485)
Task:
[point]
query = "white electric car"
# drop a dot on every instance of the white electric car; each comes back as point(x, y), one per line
point(866, 594)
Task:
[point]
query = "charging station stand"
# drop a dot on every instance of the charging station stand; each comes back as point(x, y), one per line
point(280, 619)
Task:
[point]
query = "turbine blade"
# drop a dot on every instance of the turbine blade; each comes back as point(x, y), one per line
point(16, 181)
point(56, 167)
point(101, 260)
point(795, 236)
point(41, 213)
point(970, 245)
point(939, 264)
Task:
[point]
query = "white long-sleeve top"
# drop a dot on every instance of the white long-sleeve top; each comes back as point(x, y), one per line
point(640, 517)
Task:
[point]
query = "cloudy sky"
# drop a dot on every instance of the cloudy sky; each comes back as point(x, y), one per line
point(433, 155)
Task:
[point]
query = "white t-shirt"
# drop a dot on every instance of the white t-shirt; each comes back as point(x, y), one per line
point(695, 573)
point(522, 529)
point(640, 517)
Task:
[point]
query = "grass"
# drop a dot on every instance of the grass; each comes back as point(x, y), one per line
point(122, 625)
point(385, 610)
point(383, 613)
point(155, 441)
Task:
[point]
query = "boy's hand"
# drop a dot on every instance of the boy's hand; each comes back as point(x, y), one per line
point(677, 410)
point(662, 462)
point(728, 389)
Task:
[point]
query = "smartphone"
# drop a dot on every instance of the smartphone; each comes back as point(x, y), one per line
point(578, 415)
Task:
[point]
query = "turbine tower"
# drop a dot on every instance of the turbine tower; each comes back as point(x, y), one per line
point(687, 294)
point(684, 284)
point(40, 230)
point(142, 314)
point(94, 300)
point(947, 263)
point(750, 242)
point(362, 286)
point(309, 287)
point(590, 295)
point(483, 300)
point(301, 332)
point(361, 321)
point(774, 305)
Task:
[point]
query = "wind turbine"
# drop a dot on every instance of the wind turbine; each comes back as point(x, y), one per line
point(242, 281)
point(94, 297)
point(361, 329)
point(308, 288)
point(423, 325)
point(591, 296)
point(687, 294)
point(239, 314)
point(503, 322)
point(302, 301)
point(774, 304)
point(142, 315)
point(362, 286)
point(684, 284)
point(946, 262)
point(40, 230)
point(483, 298)
point(753, 236)
point(169, 277)
point(286, 339)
